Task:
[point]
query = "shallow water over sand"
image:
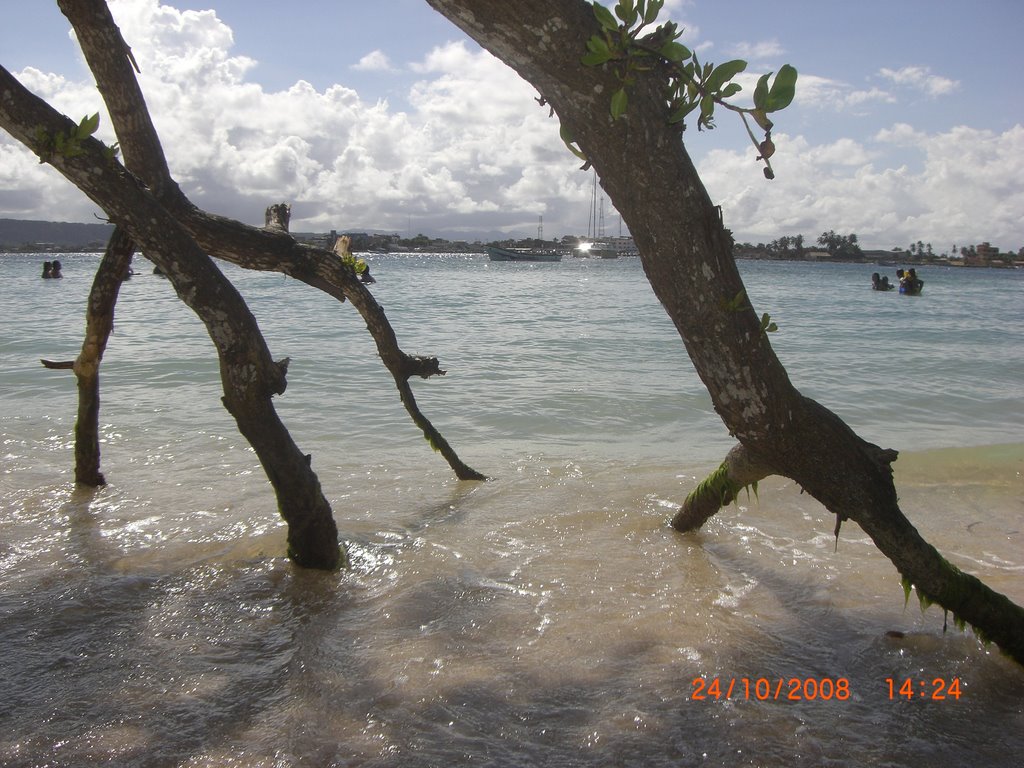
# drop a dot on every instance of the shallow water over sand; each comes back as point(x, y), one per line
point(546, 617)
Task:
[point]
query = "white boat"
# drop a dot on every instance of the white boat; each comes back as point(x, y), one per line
point(521, 254)
point(596, 245)
point(611, 248)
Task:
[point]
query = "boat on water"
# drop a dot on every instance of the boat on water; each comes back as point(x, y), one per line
point(612, 248)
point(521, 254)
point(596, 245)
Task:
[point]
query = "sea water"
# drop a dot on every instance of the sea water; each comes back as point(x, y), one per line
point(547, 617)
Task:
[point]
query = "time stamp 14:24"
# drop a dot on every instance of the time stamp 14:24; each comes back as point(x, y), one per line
point(818, 688)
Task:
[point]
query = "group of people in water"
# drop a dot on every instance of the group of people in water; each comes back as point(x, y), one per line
point(51, 269)
point(910, 283)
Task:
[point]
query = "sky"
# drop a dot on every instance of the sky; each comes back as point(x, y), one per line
point(908, 123)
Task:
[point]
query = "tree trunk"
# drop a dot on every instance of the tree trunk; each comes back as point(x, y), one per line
point(250, 377)
point(687, 255)
point(99, 323)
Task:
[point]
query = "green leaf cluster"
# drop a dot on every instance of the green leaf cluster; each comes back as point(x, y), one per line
point(359, 265)
point(693, 87)
point(69, 144)
point(616, 43)
point(767, 324)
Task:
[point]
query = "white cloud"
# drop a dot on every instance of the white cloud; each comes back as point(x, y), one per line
point(967, 189)
point(828, 94)
point(901, 134)
point(474, 153)
point(920, 78)
point(767, 49)
point(375, 61)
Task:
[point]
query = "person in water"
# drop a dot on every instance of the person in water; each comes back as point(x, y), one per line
point(880, 283)
point(55, 269)
point(910, 283)
point(47, 270)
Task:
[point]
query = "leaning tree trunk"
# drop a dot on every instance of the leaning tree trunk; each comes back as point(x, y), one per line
point(250, 377)
point(687, 255)
point(271, 248)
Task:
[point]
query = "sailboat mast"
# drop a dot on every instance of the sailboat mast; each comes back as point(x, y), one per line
point(592, 221)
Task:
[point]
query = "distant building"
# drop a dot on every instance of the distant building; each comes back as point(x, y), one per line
point(987, 252)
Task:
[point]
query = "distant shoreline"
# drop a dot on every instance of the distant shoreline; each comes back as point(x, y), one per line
point(910, 260)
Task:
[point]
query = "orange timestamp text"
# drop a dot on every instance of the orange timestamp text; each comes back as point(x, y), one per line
point(929, 689)
point(770, 689)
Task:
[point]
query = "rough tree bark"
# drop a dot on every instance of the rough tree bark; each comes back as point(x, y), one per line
point(687, 255)
point(99, 323)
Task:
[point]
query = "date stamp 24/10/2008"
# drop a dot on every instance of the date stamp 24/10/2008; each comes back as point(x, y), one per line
point(818, 689)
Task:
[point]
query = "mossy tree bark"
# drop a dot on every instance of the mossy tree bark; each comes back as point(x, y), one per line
point(687, 255)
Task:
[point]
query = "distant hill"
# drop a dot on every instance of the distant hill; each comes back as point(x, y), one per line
point(23, 235)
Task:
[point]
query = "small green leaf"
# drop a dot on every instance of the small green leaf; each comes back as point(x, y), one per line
point(88, 125)
point(738, 302)
point(707, 112)
point(605, 17)
point(620, 100)
point(783, 89)
point(626, 11)
point(731, 90)
point(653, 9)
point(599, 52)
point(723, 73)
point(681, 112)
point(597, 44)
point(567, 137)
point(674, 51)
point(761, 91)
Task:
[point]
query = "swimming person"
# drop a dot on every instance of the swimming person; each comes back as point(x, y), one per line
point(55, 269)
point(47, 270)
point(910, 283)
